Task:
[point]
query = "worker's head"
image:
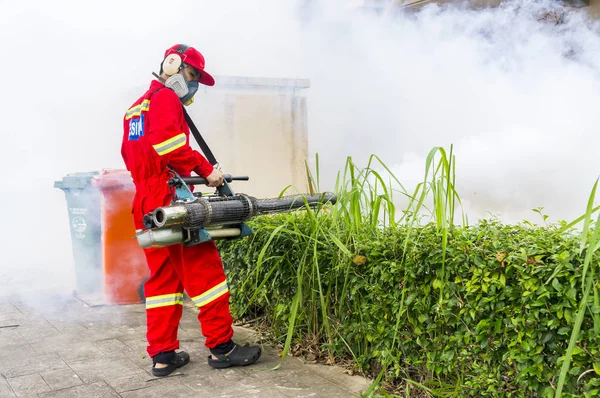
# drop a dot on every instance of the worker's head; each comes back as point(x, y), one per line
point(182, 70)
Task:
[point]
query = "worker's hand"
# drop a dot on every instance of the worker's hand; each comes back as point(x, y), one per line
point(215, 179)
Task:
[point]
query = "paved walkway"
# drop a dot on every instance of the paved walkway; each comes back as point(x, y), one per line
point(76, 350)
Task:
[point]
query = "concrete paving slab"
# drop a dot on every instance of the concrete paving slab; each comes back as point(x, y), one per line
point(161, 391)
point(61, 379)
point(67, 326)
point(337, 375)
point(5, 390)
point(140, 358)
point(255, 392)
point(9, 332)
point(23, 350)
point(93, 390)
point(10, 311)
point(111, 347)
point(20, 366)
point(74, 350)
point(37, 330)
point(56, 343)
point(306, 385)
point(7, 318)
point(215, 384)
point(267, 367)
point(140, 381)
point(29, 385)
point(99, 369)
point(79, 352)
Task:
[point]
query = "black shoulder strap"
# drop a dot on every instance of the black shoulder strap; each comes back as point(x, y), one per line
point(207, 152)
point(203, 145)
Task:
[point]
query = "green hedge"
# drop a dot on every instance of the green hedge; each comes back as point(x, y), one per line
point(495, 323)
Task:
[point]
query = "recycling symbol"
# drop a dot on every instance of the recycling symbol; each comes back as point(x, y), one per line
point(79, 224)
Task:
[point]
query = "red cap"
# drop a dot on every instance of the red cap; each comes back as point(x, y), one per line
point(194, 58)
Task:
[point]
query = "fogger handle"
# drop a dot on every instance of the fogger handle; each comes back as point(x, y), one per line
point(202, 181)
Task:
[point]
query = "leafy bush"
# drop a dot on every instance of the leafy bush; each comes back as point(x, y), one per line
point(489, 310)
point(500, 328)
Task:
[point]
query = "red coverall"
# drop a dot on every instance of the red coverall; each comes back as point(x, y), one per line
point(156, 135)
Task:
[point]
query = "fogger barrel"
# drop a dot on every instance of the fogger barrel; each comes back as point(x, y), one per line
point(216, 211)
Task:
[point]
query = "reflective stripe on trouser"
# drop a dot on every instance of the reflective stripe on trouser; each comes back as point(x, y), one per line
point(164, 300)
point(211, 294)
point(201, 268)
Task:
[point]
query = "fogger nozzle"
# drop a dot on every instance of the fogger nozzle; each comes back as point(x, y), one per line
point(170, 215)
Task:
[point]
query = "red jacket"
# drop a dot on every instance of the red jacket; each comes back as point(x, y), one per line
point(155, 134)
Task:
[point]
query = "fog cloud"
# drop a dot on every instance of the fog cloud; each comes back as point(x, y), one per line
point(516, 96)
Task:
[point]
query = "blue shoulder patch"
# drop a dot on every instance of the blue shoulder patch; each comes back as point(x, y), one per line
point(136, 128)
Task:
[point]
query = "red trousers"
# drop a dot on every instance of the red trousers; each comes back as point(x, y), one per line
point(197, 269)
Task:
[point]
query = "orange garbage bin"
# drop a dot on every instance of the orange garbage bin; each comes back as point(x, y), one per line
point(124, 263)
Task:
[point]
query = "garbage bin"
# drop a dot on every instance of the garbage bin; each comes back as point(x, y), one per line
point(124, 264)
point(83, 202)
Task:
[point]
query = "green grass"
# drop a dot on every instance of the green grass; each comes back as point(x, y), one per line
point(361, 279)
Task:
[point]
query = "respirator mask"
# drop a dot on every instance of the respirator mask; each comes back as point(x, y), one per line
point(184, 89)
point(188, 97)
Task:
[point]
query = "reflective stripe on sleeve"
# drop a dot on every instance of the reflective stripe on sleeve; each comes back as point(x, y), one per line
point(211, 295)
point(137, 110)
point(164, 300)
point(170, 145)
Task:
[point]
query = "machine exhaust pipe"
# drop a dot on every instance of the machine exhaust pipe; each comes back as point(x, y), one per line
point(160, 237)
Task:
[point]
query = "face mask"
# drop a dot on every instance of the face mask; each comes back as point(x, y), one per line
point(184, 89)
point(189, 97)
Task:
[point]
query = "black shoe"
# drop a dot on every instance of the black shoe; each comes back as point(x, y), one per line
point(239, 356)
point(178, 360)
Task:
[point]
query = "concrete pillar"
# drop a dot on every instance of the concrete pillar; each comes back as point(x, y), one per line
point(256, 127)
point(594, 9)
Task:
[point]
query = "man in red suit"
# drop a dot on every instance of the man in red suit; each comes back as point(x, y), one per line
point(156, 139)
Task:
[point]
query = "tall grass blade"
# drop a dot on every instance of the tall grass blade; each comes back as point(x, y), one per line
point(290, 331)
point(573, 340)
point(371, 390)
point(587, 218)
point(324, 307)
point(591, 244)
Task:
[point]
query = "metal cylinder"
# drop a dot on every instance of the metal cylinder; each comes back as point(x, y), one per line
point(160, 237)
point(169, 215)
point(224, 233)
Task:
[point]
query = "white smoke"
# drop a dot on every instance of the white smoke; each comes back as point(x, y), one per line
point(515, 96)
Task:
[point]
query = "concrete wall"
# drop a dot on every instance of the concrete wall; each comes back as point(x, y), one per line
point(256, 127)
point(594, 9)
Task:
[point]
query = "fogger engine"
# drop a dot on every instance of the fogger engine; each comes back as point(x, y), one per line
point(191, 218)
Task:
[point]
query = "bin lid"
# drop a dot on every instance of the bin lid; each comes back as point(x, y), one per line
point(77, 180)
point(109, 178)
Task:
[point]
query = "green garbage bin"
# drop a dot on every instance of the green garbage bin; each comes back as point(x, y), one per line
point(83, 201)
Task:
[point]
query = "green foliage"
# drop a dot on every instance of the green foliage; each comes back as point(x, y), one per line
point(502, 325)
point(488, 310)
